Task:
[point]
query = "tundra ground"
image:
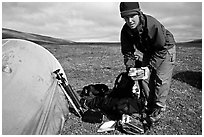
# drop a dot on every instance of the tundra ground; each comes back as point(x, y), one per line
point(96, 63)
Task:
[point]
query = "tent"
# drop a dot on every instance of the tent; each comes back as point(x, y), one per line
point(32, 100)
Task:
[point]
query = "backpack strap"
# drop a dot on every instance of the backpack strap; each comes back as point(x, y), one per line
point(118, 78)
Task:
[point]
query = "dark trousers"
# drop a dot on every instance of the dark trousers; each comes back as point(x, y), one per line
point(157, 86)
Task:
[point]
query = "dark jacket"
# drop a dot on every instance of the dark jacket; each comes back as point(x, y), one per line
point(150, 37)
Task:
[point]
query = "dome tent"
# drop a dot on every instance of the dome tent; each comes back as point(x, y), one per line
point(32, 101)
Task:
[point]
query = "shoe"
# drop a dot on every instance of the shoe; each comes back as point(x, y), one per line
point(155, 113)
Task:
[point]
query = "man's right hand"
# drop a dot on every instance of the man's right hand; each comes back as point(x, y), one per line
point(139, 73)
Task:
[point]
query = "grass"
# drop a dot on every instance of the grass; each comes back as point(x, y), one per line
point(89, 64)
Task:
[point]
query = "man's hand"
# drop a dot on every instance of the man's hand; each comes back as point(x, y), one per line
point(139, 73)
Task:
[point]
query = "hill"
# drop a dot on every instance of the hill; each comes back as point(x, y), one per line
point(39, 39)
point(42, 40)
point(196, 41)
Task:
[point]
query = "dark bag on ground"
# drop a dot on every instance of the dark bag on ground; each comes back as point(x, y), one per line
point(127, 103)
point(92, 116)
point(95, 90)
point(123, 86)
point(120, 100)
point(128, 106)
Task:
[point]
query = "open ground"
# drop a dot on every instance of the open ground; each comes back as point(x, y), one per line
point(86, 64)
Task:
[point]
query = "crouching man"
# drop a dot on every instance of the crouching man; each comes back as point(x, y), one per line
point(145, 33)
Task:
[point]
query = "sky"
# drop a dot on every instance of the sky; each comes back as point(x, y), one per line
point(98, 21)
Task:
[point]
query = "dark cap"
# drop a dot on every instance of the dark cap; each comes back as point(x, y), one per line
point(129, 8)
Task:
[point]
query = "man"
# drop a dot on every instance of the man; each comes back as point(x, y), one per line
point(146, 34)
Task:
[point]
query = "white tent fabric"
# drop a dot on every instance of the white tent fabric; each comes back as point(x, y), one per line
point(32, 101)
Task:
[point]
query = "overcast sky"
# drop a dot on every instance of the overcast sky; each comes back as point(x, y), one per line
point(98, 21)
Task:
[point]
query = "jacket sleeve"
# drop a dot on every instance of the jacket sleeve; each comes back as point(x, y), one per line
point(157, 35)
point(127, 49)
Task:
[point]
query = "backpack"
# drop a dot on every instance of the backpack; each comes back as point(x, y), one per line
point(127, 103)
point(123, 86)
point(132, 108)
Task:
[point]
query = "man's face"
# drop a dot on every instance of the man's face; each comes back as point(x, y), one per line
point(132, 20)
